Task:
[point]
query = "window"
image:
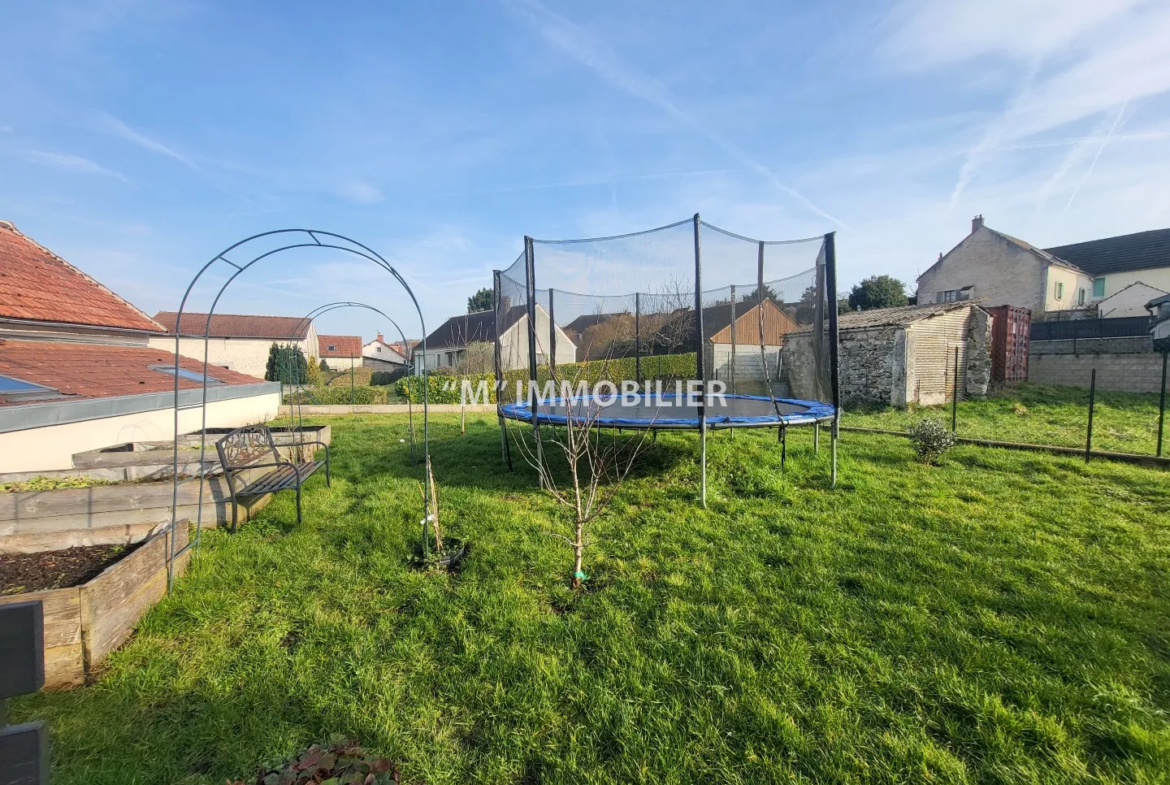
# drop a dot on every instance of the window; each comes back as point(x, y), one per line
point(1058, 290)
point(378, 349)
point(183, 373)
point(949, 296)
point(331, 348)
point(1081, 296)
point(1099, 287)
point(12, 389)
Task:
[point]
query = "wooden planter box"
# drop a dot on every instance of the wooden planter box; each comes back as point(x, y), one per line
point(123, 514)
point(83, 624)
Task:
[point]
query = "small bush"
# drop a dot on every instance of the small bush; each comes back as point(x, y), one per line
point(341, 763)
point(931, 440)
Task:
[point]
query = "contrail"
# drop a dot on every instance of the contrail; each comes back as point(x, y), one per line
point(1100, 150)
point(572, 40)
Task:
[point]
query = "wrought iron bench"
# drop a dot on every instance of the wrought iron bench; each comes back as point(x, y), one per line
point(252, 447)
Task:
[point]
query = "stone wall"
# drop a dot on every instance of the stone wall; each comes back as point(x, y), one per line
point(1125, 364)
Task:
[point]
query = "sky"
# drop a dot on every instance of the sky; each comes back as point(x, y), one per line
point(139, 138)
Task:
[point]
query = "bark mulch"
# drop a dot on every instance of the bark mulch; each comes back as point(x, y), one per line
point(25, 572)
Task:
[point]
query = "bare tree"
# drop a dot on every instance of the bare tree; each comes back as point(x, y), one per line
point(596, 464)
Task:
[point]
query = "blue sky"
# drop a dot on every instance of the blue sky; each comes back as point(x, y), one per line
point(140, 137)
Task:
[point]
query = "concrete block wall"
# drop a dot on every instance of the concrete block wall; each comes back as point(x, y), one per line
point(1130, 367)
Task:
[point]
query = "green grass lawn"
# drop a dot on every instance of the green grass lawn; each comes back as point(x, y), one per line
point(1040, 414)
point(1002, 618)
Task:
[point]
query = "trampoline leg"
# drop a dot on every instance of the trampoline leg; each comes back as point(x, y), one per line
point(703, 460)
point(655, 433)
point(783, 447)
point(833, 451)
point(816, 438)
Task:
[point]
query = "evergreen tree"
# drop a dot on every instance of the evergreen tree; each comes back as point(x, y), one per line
point(878, 291)
point(480, 301)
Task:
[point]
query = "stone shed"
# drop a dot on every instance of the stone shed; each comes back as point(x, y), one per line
point(900, 356)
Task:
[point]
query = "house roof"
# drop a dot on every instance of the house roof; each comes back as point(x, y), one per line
point(895, 317)
point(343, 346)
point(458, 331)
point(94, 371)
point(1047, 257)
point(230, 325)
point(584, 322)
point(1139, 251)
point(37, 285)
point(391, 349)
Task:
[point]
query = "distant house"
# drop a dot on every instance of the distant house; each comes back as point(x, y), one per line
point(384, 356)
point(1115, 263)
point(237, 341)
point(1127, 302)
point(998, 269)
point(897, 356)
point(340, 352)
point(79, 372)
point(447, 346)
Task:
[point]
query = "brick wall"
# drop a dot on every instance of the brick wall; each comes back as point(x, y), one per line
point(1126, 364)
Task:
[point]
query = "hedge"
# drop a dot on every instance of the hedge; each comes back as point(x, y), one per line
point(338, 396)
point(446, 389)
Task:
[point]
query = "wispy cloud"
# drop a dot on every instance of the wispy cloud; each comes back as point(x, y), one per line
point(67, 162)
point(577, 43)
point(359, 192)
point(1109, 53)
point(115, 127)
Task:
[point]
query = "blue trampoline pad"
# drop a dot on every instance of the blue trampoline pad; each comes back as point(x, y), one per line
point(671, 411)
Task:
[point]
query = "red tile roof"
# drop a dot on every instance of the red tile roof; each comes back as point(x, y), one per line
point(37, 285)
point(95, 371)
point(232, 325)
point(343, 346)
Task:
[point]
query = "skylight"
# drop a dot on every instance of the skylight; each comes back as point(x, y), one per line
point(14, 389)
point(183, 373)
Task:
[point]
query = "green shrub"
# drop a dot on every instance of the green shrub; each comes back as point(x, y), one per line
point(338, 396)
point(341, 763)
point(386, 378)
point(931, 440)
point(443, 388)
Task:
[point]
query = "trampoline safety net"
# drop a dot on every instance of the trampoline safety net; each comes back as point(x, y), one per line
point(625, 309)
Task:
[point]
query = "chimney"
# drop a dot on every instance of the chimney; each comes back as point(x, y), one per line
point(380, 338)
point(976, 223)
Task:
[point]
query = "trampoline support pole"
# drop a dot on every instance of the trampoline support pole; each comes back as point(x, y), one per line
point(700, 345)
point(816, 438)
point(834, 360)
point(783, 447)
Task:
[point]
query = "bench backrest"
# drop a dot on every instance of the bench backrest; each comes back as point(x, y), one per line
point(245, 446)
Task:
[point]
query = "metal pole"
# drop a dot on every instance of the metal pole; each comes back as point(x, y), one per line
point(497, 303)
point(638, 338)
point(699, 345)
point(1092, 404)
point(1162, 404)
point(955, 396)
point(834, 368)
point(530, 286)
point(352, 398)
point(552, 338)
point(732, 369)
point(817, 438)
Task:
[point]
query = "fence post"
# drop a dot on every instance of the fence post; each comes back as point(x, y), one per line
point(1092, 403)
point(955, 396)
point(352, 399)
point(1162, 403)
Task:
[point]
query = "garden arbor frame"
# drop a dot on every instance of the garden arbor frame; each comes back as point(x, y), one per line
point(286, 240)
point(321, 310)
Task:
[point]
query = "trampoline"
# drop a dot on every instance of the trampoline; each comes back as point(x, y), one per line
point(747, 328)
point(667, 411)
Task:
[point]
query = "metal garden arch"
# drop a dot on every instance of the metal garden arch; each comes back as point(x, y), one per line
point(288, 239)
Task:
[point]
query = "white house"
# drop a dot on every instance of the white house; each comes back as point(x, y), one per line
point(240, 342)
point(447, 346)
point(340, 352)
point(1117, 262)
point(79, 370)
point(1130, 301)
point(998, 269)
point(385, 356)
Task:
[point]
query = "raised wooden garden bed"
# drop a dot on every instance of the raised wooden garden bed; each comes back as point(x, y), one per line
point(84, 623)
